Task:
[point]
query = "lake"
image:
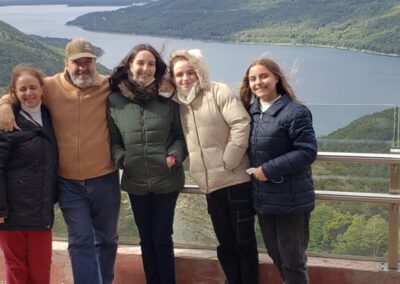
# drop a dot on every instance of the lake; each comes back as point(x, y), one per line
point(327, 77)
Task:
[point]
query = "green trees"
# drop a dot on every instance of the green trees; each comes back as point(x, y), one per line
point(370, 25)
point(346, 234)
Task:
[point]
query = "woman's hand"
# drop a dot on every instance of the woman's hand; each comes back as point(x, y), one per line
point(2, 220)
point(259, 174)
point(166, 88)
point(171, 161)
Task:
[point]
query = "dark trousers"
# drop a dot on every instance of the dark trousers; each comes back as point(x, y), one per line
point(286, 239)
point(233, 220)
point(91, 209)
point(154, 217)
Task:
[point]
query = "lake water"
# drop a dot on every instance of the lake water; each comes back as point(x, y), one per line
point(323, 76)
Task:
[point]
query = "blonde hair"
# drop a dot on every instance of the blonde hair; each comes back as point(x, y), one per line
point(282, 87)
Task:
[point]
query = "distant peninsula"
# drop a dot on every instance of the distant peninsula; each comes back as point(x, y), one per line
point(69, 2)
point(369, 25)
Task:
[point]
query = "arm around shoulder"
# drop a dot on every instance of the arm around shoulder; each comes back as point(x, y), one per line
point(7, 119)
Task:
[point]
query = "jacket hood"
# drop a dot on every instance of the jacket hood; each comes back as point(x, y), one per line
point(196, 59)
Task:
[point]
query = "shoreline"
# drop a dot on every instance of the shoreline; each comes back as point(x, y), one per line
point(371, 52)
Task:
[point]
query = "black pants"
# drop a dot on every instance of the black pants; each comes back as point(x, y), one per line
point(286, 239)
point(154, 217)
point(233, 220)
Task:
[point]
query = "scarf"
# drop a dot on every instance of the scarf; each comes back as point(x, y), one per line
point(188, 96)
point(137, 93)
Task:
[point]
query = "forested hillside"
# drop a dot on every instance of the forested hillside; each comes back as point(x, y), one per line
point(69, 2)
point(16, 47)
point(349, 227)
point(371, 25)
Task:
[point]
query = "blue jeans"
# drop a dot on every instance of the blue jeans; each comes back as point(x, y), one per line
point(232, 216)
point(286, 239)
point(91, 209)
point(154, 217)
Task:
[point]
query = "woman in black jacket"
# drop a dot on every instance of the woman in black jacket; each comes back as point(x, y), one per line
point(282, 149)
point(28, 174)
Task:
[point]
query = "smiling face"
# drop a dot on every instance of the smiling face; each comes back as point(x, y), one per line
point(184, 75)
point(143, 67)
point(81, 71)
point(263, 83)
point(28, 90)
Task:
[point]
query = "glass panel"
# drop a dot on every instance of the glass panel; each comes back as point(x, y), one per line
point(355, 128)
point(355, 177)
point(348, 228)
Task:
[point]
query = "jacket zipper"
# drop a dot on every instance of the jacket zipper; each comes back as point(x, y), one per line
point(256, 147)
point(201, 148)
point(144, 148)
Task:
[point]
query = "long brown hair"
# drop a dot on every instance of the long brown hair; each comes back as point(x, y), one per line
point(282, 87)
point(120, 72)
point(18, 71)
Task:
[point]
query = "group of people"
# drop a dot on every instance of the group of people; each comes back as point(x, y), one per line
point(250, 155)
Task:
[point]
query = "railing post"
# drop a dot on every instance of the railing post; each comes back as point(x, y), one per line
point(394, 219)
point(394, 179)
point(393, 237)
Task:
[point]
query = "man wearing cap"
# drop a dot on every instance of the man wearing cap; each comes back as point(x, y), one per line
point(89, 194)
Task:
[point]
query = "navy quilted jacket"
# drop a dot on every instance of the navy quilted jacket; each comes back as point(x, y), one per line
point(283, 141)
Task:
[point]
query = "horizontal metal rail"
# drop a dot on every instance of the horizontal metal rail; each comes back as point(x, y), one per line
point(392, 199)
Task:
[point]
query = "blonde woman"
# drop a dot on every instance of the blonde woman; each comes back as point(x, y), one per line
point(216, 127)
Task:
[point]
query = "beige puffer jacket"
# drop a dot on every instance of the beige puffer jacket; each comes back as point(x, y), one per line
point(216, 128)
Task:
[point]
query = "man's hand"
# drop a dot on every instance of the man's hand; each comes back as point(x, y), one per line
point(7, 119)
point(2, 220)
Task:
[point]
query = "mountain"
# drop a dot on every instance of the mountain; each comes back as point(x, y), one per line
point(373, 133)
point(44, 53)
point(17, 47)
point(371, 25)
point(69, 2)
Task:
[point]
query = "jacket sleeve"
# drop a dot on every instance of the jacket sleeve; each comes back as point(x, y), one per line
point(5, 148)
point(178, 146)
point(117, 144)
point(238, 120)
point(304, 146)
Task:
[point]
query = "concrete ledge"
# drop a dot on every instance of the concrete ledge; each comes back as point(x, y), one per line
point(201, 267)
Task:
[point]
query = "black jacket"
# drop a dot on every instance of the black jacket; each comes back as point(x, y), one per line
point(28, 175)
point(283, 141)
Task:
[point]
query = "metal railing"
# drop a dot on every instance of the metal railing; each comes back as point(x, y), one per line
point(392, 198)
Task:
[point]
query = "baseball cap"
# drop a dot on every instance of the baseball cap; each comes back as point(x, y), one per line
point(78, 48)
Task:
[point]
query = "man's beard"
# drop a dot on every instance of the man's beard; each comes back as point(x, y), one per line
point(82, 83)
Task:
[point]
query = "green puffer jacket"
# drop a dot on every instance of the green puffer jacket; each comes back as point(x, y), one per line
point(142, 136)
